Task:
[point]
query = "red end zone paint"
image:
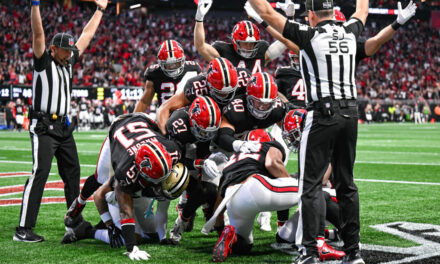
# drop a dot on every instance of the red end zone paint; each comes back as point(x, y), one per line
point(16, 174)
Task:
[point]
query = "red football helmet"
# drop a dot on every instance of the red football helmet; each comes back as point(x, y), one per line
point(260, 135)
point(247, 33)
point(154, 162)
point(205, 118)
point(261, 93)
point(339, 16)
point(222, 80)
point(294, 60)
point(292, 128)
point(171, 58)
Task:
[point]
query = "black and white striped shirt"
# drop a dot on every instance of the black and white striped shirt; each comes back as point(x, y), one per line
point(52, 85)
point(327, 57)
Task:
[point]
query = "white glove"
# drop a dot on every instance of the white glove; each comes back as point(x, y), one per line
point(250, 11)
point(288, 8)
point(202, 8)
point(403, 15)
point(218, 158)
point(210, 169)
point(137, 254)
point(246, 146)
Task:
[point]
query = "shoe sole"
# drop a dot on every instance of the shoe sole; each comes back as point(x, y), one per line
point(15, 238)
point(330, 258)
point(220, 254)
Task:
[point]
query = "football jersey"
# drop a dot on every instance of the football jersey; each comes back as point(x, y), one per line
point(291, 85)
point(164, 85)
point(126, 135)
point(238, 115)
point(254, 64)
point(83, 106)
point(198, 86)
point(242, 165)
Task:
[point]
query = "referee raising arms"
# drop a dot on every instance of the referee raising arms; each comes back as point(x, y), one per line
point(50, 130)
point(327, 58)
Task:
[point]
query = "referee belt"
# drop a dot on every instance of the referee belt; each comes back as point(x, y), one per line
point(336, 103)
point(50, 117)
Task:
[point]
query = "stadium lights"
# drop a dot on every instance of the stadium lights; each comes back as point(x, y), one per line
point(135, 6)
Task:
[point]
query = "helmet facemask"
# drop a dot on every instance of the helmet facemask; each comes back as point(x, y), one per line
point(225, 95)
point(203, 134)
point(259, 108)
point(172, 67)
point(292, 138)
point(244, 52)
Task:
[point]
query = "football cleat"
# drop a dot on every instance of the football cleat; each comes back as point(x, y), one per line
point(304, 259)
point(72, 217)
point(81, 231)
point(26, 235)
point(353, 258)
point(224, 244)
point(264, 221)
point(327, 252)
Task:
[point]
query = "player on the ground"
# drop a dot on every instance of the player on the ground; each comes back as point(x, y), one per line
point(222, 82)
point(245, 51)
point(168, 75)
point(252, 183)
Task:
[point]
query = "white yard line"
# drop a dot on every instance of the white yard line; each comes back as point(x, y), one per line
point(400, 182)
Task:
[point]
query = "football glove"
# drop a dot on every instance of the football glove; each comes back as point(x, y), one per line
point(218, 158)
point(115, 236)
point(202, 8)
point(403, 15)
point(250, 11)
point(211, 170)
point(246, 146)
point(288, 8)
point(137, 254)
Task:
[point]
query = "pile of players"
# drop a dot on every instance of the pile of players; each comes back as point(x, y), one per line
point(210, 146)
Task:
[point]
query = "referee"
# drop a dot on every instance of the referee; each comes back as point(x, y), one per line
point(327, 57)
point(50, 130)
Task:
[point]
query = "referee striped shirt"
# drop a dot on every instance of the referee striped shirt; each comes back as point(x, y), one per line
point(52, 85)
point(327, 57)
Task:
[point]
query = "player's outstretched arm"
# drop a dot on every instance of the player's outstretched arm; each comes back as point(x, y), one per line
point(373, 44)
point(207, 51)
point(274, 163)
point(361, 12)
point(269, 15)
point(163, 113)
point(37, 30)
point(90, 29)
point(146, 98)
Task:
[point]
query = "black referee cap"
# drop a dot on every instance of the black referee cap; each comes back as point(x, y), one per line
point(65, 41)
point(317, 5)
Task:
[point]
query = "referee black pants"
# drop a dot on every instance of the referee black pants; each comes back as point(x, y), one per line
point(326, 139)
point(49, 139)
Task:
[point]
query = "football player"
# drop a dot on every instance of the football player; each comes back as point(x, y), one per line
point(245, 51)
point(168, 75)
point(222, 82)
point(118, 150)
point(252, 183)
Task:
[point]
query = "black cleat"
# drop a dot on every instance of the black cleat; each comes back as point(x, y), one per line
point(306, 259)
point(81, 231)
point(73, 215)
point(26, 235)
point(353, 258)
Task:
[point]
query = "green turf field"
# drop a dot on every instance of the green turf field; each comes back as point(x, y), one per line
point(397, 173)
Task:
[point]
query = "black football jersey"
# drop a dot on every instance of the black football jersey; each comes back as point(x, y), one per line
point(242, 165)
point(237, 113)
point(254, 64)
point(197, 86)
point(178, 127)
point(126, 134)
point(291, 85)
point(19, 109)
point(165, 86)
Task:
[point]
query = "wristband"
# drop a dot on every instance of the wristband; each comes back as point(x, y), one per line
point(128, 233)
point(105, 217)
point(35, 3)
point(200, 21)
point(100, 9)
point(395, 25)
point(264, 24)
point(290, 17)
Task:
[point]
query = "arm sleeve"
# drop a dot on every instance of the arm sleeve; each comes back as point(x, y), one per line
point(355, 26)
point(225, 138)
point(360, 51)
point(40, 64)
point(299, 34)
point(75, 57)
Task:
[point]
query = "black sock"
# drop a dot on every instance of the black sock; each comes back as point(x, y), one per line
point(90, 186)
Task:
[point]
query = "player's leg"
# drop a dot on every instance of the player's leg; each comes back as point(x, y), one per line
point(162, 218)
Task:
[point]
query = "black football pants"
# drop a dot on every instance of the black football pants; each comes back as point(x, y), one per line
point(326, 139)
point(49, 140)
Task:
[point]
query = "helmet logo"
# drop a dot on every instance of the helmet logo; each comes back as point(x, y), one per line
point(196, 110)
point(146, 164)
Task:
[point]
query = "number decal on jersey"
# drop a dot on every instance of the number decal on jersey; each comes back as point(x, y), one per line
point(175, 156)
point(179, 126)
point(298, 91)
point(135, 128)
point(238, 105)
point(200, 88)
point(241, 156)
point(243, 79)
point(257, 66)
point(168, 89)
point(131, 173)
point(338, 46)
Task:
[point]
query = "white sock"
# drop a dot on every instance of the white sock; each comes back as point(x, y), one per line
point(81, 201)
point(102, 234)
